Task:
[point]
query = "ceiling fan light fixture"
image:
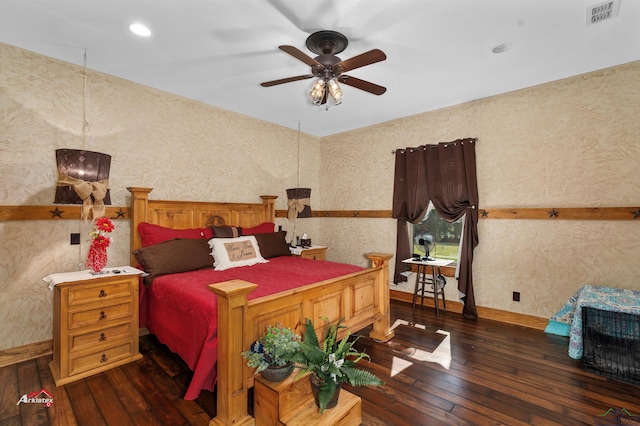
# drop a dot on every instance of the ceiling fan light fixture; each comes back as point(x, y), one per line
point(317, 91)
point(335, 91)
point(327, 68)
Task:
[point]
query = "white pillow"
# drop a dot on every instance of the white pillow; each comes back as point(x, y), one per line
point(233, 252)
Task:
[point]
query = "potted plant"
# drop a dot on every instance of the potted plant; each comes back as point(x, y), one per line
point(331, 364)
point(271, 354)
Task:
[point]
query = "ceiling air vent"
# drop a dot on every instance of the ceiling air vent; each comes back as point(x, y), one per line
point(603, 11)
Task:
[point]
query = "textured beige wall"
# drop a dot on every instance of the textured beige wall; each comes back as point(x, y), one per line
point(182, 148)
point(570, 143)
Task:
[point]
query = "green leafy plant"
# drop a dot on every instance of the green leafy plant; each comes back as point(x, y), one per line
point(333, 362)
point(276, 347)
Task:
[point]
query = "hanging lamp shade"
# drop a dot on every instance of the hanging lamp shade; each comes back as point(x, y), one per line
point(83, 178)
point(299, 203)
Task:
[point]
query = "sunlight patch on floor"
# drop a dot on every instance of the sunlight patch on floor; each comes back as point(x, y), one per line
point(441, 355)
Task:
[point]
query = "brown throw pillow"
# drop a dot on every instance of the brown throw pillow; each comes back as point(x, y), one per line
point(169, 257)
point(273, 244)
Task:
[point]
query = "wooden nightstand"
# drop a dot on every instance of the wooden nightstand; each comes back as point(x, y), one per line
point(95, 326)
point(314, 252)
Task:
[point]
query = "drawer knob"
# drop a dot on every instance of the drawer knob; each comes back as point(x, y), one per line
point(102, 337)
point(103, 316)
point(104, 358)
point(102, 293)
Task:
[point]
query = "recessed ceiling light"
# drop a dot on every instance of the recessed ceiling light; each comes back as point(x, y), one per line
point(140, 29)
point(501, 48)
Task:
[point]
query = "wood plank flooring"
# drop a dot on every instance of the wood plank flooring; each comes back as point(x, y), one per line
point(438, 371)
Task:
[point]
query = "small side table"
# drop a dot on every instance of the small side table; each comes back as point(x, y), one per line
point(95, 322)
point(313, 252)
point(423, 278)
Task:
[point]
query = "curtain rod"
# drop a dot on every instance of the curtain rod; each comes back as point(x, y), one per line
point(393, 152)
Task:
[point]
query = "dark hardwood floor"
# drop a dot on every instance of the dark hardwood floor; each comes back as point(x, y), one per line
point(449, 372)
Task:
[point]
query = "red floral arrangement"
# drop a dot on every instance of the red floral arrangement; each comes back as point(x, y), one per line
point(97, 255)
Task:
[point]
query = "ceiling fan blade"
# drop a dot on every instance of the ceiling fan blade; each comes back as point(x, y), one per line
point(300, 55)
point(366, 58)
point(362, 84)
point(285, 80)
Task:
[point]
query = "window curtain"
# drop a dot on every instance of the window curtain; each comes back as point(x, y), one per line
point(444, 174)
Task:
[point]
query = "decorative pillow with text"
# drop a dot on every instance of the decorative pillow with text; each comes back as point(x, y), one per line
point(233, 252)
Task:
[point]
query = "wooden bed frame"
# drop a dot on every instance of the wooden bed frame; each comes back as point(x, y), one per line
point(361, 298)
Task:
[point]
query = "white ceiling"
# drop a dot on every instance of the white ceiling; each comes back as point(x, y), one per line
point(439, 52)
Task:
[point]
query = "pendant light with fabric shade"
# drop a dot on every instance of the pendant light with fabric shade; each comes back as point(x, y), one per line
point(83, 175)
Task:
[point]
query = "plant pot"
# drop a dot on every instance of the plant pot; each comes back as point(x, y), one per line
point(315, 382)
point(277, 373)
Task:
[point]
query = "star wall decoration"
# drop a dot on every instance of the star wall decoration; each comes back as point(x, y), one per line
point(120, 214)
point(484, 213)
point(553, 213)
point(636, 214)
point(56, 213)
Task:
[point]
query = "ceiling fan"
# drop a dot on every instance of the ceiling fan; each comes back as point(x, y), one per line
point(329, 69)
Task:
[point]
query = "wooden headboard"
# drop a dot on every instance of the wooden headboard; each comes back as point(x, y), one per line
point(194, 214)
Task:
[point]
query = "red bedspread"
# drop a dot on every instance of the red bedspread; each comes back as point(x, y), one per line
point(180, 309)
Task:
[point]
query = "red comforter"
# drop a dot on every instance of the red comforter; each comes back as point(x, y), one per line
point(181, 310)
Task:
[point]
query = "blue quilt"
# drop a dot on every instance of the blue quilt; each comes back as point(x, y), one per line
point(568, 320)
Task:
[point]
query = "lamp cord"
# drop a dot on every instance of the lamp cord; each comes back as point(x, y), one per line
point(298, 142)
point(85, 125)
point(84, 144)
point(298, 153)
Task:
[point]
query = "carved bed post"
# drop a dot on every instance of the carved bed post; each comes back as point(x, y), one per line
point(270, 201)
point(231, 384)
point(139, 203)
point(382, 324)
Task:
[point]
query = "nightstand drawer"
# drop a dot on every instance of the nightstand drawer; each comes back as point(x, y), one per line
point(101, 358)
point(101, 315)
point(313, 253)
point(100, 338)
point(100, 292)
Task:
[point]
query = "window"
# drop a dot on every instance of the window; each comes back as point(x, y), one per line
point(445, 236)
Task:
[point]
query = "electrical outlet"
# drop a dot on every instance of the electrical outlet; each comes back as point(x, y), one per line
point(516, 296)
point(75, 239)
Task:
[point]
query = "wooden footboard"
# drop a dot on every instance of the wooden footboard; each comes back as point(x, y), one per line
point(361, 298)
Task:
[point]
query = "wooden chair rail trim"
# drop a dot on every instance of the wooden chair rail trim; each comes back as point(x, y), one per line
point(552, 213)
point(559, 213)
point(55, 212)
point(384, 214)
point(72, 212)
